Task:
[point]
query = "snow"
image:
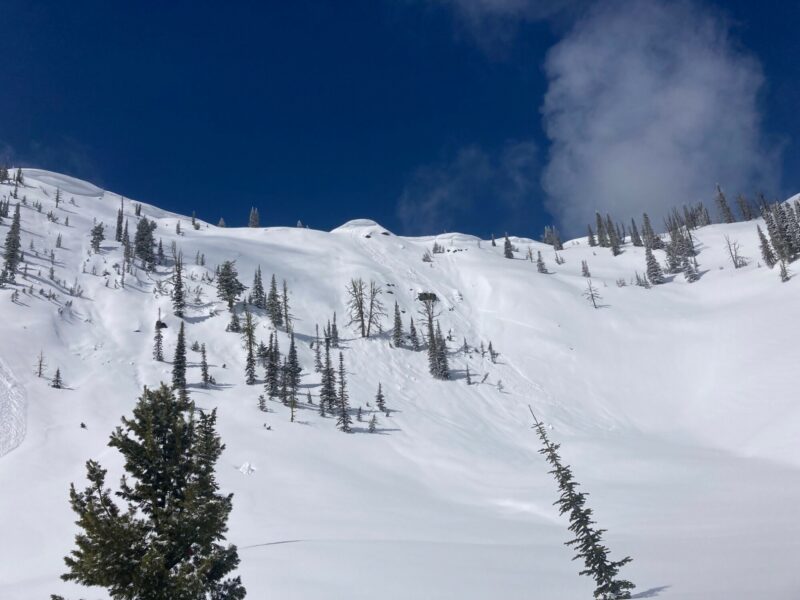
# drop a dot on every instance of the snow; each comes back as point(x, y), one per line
point(675, 406)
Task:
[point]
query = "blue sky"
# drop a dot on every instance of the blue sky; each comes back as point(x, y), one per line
point(426, 115)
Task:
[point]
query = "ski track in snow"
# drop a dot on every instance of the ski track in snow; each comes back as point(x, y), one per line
point(13, 411)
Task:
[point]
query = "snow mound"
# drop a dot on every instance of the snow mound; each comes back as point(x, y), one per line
point(67, 184)
point(362, 227)
point(13, 409)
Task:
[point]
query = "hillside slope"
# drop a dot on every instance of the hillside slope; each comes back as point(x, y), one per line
point(676, 407)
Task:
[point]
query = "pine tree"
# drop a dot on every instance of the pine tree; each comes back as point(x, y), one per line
point(508, 249)
point(253, 220)
point(249, 335)
point(540, 266)
point(178, 294)
point(469, 377)
point(585, 269)
point(651, 240)
point(293, 370)
point(317, 352)
point(143, 243)
point(285, 301)
point(380, 400)
point(591, 293)
point(12, 253)
point(274, 308)
point(234, 326)
point(602, 234)
point(588, 541)
point(373, 424)
point(273, 365)
point(413, 337)
point(221, 222)
point(327, 394)
point(344, 420)
point(158, 341)
point(165, 539)
point(724, 210)
point(636, 239)
point(397, 330)
point(590, 239)
point(334, 333)
point(689, 270)
point(744, 208)
point(118, 231)
point(257, 296)
point(228, 285)
point(766, 252)
point(57, 382)
point(179, 364)
point(492, 353)
point(205, 378)
point(442, 369)
point(654, 273)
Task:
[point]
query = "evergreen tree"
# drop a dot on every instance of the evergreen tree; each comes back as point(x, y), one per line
point(540, 266)
point(380, 401)
point(317, 352)
point(179, 364)
point(442, 369)
point(469, 378)
point(273, 366)
point(285, 300)
point(344, 420)
point(397, 330)
point(373, 424)
point(164, 541)
point(766, 252)
point(249, 335)
point(205, 378)
point(257, 296)
point(253, 220)
point(228, 285)
point(689, 270)
point(293, 370)
point(97, 236)
point(636, 239)
point(118, 230)
point(508, 249)
point(274, 308)
point(602, 234)
point(178, 294)
point(492, 353)
point(590, 239)
point(745, 208)
point(654, 273)
point(724, 210)
point(143, 243)
point(651, 240)
point(413, 337)
point(585, 269)
point(12, 253)
point(588, 541)
point(234, 326)
point(591, 293)
point(334, 333)
point(158, 341)
point(221, 222)
point(327, 394)
point(57, 382)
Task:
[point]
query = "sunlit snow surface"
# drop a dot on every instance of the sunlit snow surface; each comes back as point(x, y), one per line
point(677, 408)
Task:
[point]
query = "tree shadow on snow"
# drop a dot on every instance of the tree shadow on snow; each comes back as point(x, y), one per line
point(652, 592)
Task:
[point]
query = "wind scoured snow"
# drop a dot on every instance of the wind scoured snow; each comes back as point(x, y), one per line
point(676, 408)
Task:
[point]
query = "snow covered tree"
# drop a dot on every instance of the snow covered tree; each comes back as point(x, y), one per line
point(651, 240)
point(249, 335)
point(602, 234)
point(274, 307)
point(689, 269)
point(540, 266)
point(144, 243)
point(413, 338)
point(12, 252)
point(97, 236)
point(228, 285)
point(440, 367)
point(287, 320)
point(253, 220)
point(327, 395)
point(508, 249)
point(654, 273)
point(178, 293)
point(636, 239)
point(724, 209)
point(380, 400)
point(57, 382)
point(165, 539)
point(344, 421)
point(397, 329)
point(373, 424)
point(588, 541)
point(120, 217)
point(179, 364)
point(585, 269)
point(745, 208)
point(257, 295)
point(204, 376)
point(272, 367)
point(766, 252)
point(590, 239)
point(334, 333)
point(158, 340)
point(293, 370)
point(317, 352)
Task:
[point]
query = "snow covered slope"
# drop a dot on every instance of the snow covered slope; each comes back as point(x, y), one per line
point(676, 407)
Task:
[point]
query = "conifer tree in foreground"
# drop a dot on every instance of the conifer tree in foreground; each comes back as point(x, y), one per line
point(591, 293)
point(540, 266)
point(97, 237)
point(257, 296)
point(413, 337)
point(274, 308)
point(179, 364)
point(654, 273)
point(250, 343)
point(766, 252)
point(165, 539)
point(327, 395)
point(228, 285)
point(380, 400)
point(588, 541)
point(57, 382)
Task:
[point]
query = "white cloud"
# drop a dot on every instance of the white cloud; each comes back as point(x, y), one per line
point(441, 194)
point(649, 105)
